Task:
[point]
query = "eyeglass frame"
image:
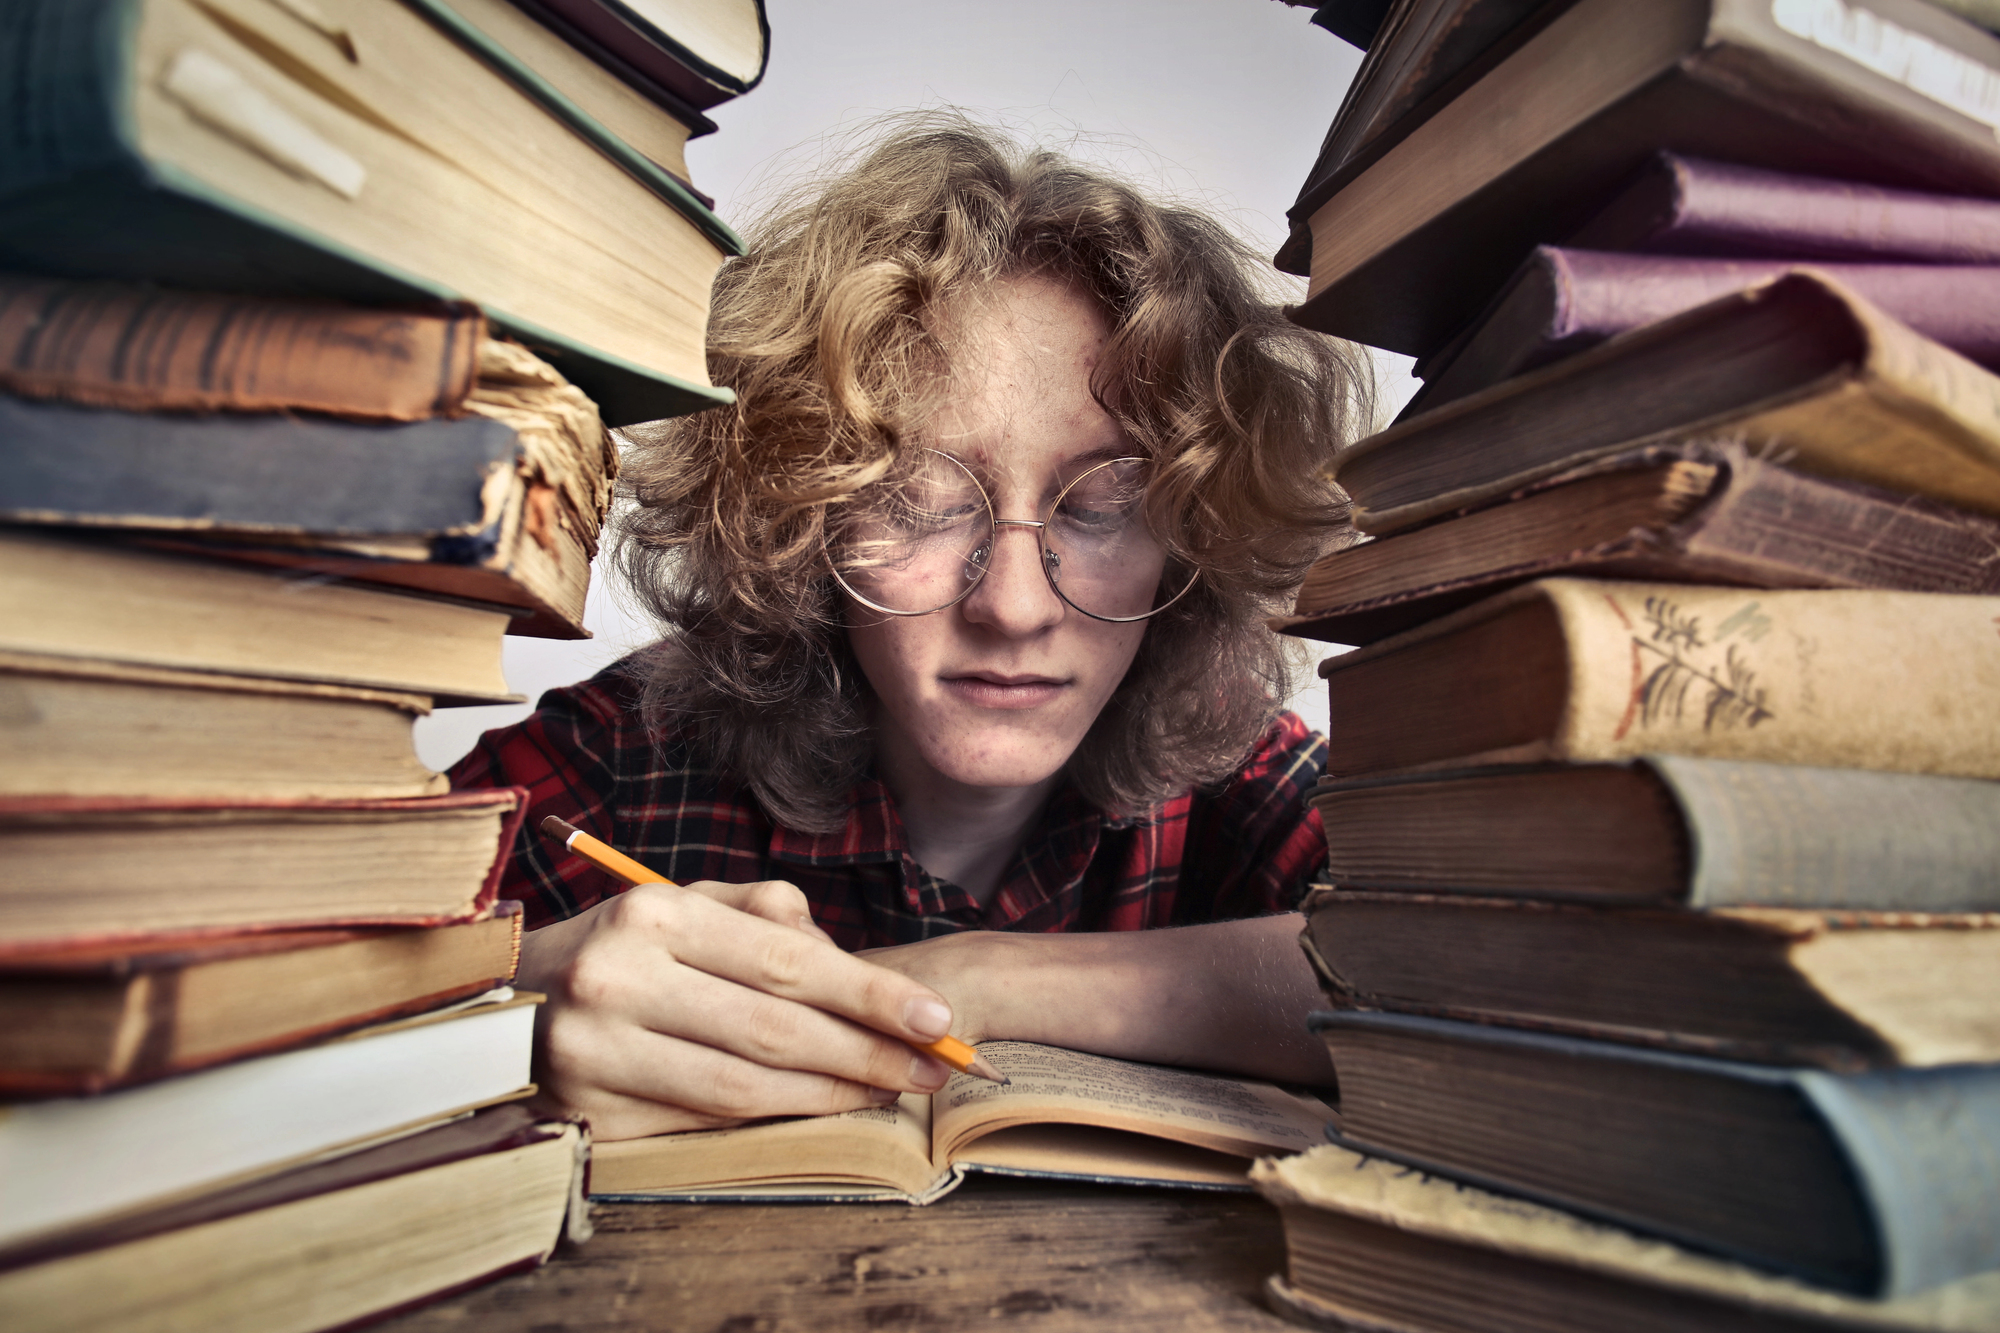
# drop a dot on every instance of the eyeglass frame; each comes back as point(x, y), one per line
point(1040, 527)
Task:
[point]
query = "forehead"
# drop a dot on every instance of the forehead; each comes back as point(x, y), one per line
point(1022, 352)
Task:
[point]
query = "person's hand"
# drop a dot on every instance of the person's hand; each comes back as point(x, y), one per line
point(963, 968)
point(692, 1007)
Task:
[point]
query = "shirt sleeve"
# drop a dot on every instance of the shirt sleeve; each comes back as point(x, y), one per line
point(1255, 846)
point(565, 754)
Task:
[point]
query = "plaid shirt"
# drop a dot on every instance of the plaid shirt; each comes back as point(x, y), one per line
point(1245, 849)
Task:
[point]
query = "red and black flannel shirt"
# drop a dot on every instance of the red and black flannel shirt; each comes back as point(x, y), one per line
point(1245, 849)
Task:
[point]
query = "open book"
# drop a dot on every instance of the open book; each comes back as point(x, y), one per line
point(1064, 1115)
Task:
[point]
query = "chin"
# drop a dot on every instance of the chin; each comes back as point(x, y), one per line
point(1006, 768)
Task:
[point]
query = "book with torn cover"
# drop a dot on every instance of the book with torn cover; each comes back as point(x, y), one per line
point(1374, 1244)
point(1684, 513)
point(1065, 1115)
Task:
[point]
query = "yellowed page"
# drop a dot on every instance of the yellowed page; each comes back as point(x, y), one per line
point(1055, 1087)
point(879, 1148)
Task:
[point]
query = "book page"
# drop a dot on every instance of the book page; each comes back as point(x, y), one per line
point(877, 1147)
point(1053, 1086)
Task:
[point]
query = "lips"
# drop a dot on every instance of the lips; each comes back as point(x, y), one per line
point(992, 689)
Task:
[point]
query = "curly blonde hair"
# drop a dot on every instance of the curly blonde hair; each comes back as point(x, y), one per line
point(825, 330)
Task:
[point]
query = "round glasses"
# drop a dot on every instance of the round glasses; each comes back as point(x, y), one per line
point(924, 546)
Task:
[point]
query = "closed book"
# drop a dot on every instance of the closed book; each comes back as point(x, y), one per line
point(95, 600)
point(156, 350)
point(1563, 301)
point(705, 52)
point(1691, 513)
point(236, 146)
point(1669, 828)
point(95, 1016)
point(1372, 1244)
point(1578, 670)
point(320, 1246)
point(1797, 364)
point(73, 1162)
point(75, 727)
point(639, 110)
point(1693, 206)
point(1838, 990)
point(1880, 1183)
point(1896, 92)
point(111, 868)
point(502, 505)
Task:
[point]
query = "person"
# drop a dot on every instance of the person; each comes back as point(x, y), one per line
point(966, 718)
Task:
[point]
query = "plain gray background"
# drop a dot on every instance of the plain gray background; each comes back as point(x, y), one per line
point(1217, 102)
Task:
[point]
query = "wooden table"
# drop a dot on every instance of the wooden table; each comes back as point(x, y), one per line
point(997, 1254)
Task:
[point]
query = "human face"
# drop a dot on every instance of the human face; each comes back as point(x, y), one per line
point(998, 689)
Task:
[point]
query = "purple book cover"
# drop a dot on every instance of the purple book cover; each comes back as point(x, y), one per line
point(1563, 301)
point(1687, 205)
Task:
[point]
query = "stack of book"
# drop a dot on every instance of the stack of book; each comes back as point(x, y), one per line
point(1664, 927)
point(312, 323)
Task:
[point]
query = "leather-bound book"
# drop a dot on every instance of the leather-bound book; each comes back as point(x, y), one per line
point(1694, 513)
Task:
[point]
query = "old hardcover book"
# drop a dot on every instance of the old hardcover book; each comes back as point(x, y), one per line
point(1563, 301)
point(1839, 990)
point(69, 598)
point(704, 51)
point(89, 1017)
point(322, 1246)
point(1065, 1114)
point(1577, 670)
point(1882, 1183)
point(1691, 206)
point(1692, 513)
point(1896, 92)
point(76, 727)
point(503, 505)
point(153, 349)
point(609, 90)
point(1796, 364)
point(1372, 1244)
point(121, 868)
point(1666, 828)
point(73, 1162)
point(236, 145)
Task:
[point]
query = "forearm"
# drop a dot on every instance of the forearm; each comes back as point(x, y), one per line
point(1232, 995)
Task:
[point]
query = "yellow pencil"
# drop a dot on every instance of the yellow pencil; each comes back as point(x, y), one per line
point(614, 862)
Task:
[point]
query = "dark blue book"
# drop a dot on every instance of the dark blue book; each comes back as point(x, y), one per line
point(1881, 1183)
point(412, 505)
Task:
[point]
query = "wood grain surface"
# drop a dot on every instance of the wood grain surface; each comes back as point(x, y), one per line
point(996, 1254)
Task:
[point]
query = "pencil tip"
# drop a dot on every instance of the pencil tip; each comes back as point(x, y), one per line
point(558, 829)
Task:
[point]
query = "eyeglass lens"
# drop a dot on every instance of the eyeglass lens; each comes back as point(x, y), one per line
point(922, 546)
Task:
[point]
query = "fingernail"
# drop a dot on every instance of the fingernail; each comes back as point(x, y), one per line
point(928, 1072)
point(883, 1096)
point(929, 1019)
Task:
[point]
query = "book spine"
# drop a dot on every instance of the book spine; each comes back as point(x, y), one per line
point(1921, 1143)
point(1691, 206)
point(64, 61)
point(1783, 835)
point(1900, 682)
point(150, 350)
point(1770, 527)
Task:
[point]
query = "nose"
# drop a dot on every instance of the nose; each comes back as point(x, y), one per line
point(1015, 597)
